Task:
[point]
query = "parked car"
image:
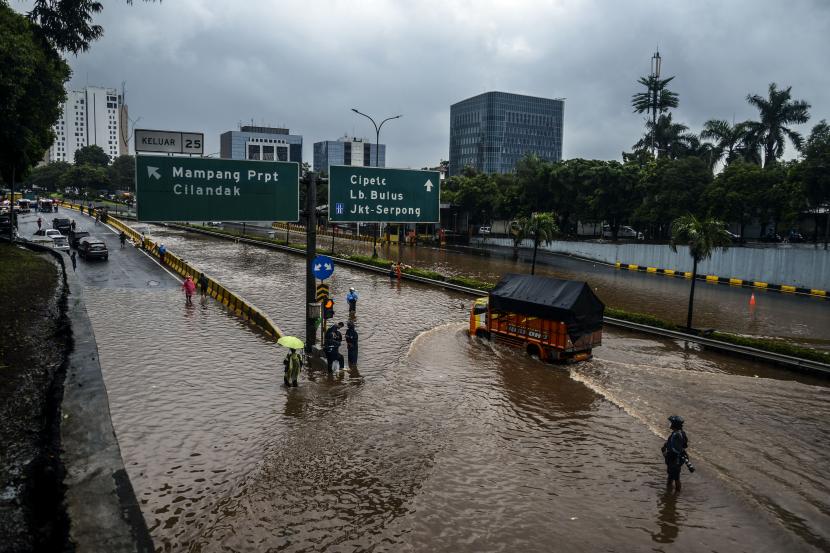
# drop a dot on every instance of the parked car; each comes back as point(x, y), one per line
point(771, 236)
point(52, 233)
point(795, 237)
point(61, 224)
point(93, 248)
point(623, 232)
point(75, 237)
point(484, 230)
point(214, 223)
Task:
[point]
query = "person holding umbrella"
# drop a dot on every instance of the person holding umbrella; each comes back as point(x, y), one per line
point(292, 362)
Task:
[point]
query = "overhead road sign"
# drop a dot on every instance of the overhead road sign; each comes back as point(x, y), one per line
point(207, 189)
point(322, 266)
point(169, 142)
point(380, 195)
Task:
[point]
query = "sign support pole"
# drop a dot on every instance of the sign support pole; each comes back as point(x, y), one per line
point(310, 253)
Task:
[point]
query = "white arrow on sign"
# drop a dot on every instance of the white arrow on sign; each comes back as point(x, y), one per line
point(428, 185)
point(328, 266)
point(317, 267)
point(153, 172)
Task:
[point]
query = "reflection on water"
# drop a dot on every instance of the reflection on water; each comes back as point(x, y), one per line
point(442, 442)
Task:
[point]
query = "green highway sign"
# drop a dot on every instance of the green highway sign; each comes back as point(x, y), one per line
point(379, 195)
point(208, 189)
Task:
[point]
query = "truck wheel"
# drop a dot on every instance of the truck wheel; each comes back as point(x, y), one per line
point(481, 333)
point(533, 351)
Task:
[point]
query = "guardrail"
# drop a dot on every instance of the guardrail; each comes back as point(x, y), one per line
point(235, 303)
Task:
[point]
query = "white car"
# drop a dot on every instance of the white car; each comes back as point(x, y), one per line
point(484, 230)
point(623, 232)
point(52, 233)
point(59, 241)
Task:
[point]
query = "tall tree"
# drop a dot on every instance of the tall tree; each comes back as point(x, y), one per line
point(48, 177)
point(92, 155)
point(122, 173)
point(88, 178)
point(777, 111)
point(32, 77)
point(731, 141)
point(671, 188)
point(67, 24)
point(613, 195)
point(702, 237)
point(735, 194)
point(813, 172)
point(541, 227)
point(670, 139)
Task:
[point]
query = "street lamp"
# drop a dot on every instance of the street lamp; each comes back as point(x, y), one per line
point(377, 164)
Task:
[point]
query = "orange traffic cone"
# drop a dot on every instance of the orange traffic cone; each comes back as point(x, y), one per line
point(752, 300)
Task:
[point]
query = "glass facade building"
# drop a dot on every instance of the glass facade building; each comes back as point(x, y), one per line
point(492, 131)
point(348, 151)
point(261, 143)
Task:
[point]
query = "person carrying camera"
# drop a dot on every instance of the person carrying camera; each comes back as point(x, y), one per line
point(674, 452)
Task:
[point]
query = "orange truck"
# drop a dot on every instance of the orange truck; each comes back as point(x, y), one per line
point(553, 319)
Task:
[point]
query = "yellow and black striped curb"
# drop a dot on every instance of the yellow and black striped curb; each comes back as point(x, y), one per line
point(724, 280)
point(235, 303)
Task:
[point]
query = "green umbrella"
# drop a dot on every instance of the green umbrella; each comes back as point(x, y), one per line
point(290, 342)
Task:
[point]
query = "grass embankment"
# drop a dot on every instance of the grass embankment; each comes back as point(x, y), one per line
point(765, 344)
point(32, 348)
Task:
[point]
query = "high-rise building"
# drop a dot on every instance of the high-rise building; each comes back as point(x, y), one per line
point(93, 115)
point(492, 131)
point(261, 143)
point(348, 150)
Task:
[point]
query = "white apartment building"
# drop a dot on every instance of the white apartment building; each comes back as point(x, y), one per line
point(93, 115)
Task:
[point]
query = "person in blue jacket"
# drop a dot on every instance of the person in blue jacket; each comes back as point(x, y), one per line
point(351, 298)
point(162, 251)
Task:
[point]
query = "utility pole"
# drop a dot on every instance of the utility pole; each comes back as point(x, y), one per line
point(656, 61)
point(377, 164)
point(310, 253)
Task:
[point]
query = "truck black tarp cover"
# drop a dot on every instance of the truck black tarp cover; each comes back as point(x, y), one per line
point(567, 301)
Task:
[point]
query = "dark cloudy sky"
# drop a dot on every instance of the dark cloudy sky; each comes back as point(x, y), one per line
point(207, 65)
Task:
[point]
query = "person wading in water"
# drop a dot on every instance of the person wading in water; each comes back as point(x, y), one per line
point(674, 452)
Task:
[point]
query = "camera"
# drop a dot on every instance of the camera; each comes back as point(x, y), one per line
point(688, 463)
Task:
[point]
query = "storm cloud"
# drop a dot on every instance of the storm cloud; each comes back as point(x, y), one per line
point(209, 65)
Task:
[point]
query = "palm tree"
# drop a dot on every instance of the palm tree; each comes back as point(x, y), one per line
point(657, 98)
point(777, 111)
point(542, 227)
point(730, 140)
point(517, 233)
point(670, 139)
point(702, 238)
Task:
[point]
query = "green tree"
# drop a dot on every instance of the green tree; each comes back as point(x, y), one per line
point(541, 227)
point(67, 24)
point(813, 172)
point(89, 178)
point(657, 99)
point(670, 188)
point(731, 141)
point(122, 173)
point(614, 194)
point(671, 140)
point(92, 155)
point(48, 177)
point(702, 237)
point(734, 195)
point(32, 77)
point(777, 111)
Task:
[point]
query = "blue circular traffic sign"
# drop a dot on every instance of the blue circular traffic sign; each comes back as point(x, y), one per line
point(322, 267)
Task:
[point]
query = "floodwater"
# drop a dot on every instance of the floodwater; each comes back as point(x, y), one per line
point(439, 441)
point(801, 319)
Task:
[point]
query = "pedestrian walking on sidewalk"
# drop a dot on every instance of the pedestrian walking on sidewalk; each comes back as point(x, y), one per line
point(351, 344)
point(162, 251)
point(189, 287)
point(74, 260)
point(123, 238)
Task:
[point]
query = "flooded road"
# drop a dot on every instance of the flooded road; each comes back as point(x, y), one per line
point(802, 319)
point(442, 442)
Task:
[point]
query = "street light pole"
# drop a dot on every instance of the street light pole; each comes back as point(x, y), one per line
point(656, 61)
point(377, 164)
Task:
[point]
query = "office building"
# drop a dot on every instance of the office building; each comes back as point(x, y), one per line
point(492, 131)
point(261, 143)
point(93, 115)
point(348, 151)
